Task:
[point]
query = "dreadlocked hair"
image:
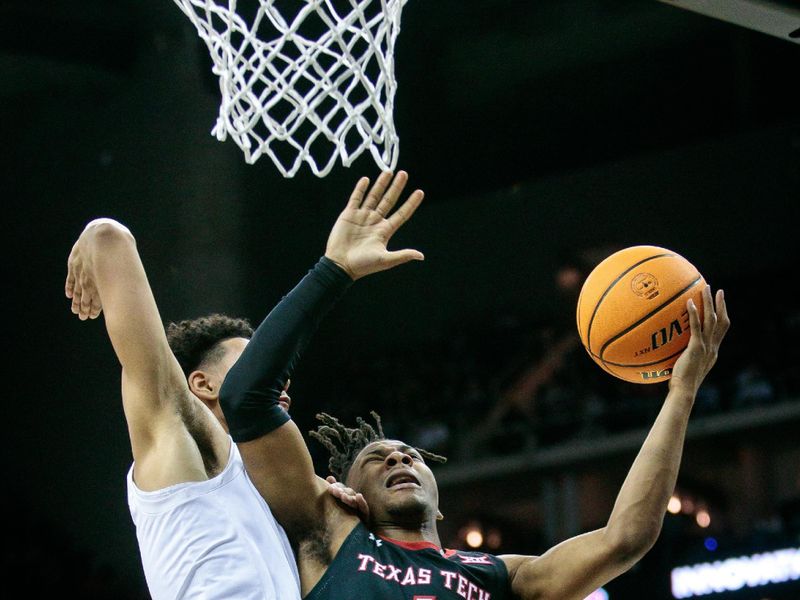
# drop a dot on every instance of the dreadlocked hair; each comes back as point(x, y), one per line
point(344, 443)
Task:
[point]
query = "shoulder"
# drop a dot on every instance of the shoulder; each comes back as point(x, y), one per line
point(180, 448)
point(478, 560)
point(490, 570)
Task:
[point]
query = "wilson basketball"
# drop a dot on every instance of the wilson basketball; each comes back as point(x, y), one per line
point(632, 316)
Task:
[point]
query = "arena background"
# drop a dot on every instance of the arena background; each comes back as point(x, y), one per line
point(545, 135)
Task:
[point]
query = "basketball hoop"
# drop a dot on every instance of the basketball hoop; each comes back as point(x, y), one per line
point(309, 85)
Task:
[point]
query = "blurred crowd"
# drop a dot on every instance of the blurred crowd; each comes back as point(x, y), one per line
point(507, 382)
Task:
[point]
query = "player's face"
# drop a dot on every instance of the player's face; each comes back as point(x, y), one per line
point(396, 483)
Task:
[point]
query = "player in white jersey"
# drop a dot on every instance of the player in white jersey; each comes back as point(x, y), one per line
point(212, 539)
point(203, 530)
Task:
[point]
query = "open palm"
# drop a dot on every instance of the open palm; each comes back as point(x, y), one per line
point(359, 238)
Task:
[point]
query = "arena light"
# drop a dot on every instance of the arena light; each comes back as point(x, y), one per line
point(702, 518)
point(710, 544)
point(734, 574)
point(674, 505)
point(474, 538)
point(494, 539)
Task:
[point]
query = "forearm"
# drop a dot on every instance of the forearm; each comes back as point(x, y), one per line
point(639, 510)
point(105, 275)
point(251, 390)
point(575, 567)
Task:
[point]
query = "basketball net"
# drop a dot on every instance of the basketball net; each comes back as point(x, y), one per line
point(309, 86)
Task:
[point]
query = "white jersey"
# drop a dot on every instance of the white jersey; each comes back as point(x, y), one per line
point(213, 540)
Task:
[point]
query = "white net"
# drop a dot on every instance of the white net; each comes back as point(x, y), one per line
point(304, 80)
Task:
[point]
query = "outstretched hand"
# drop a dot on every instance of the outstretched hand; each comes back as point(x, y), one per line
point(348, 496)
point(701, 353)
point(359, 238)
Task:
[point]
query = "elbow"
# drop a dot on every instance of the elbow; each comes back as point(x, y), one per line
point(236, 394)
point(111, 247)
point(231, 403)
point(632, 540)
point(108, 232)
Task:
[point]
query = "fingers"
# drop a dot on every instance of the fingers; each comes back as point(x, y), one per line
point(376, 193)
point(76, 298)
point(694, 320)
point(338, 492)
point(723, 320)
point(69, 286)
point(358, 193)
point(353, 499)
point(81, 303)
point(384, 195)
point(79, 297)
point(347, 496)
point(390, 197)
point(362, 505)
point(709, 315)
point(85, 301)
point(89, 305)
point(716, 321)
point(403, 214)
point(398, 257)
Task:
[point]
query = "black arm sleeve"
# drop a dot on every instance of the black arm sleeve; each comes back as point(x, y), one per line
point(251, 390)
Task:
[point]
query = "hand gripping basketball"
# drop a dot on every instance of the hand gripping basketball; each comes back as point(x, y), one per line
point(631, 313)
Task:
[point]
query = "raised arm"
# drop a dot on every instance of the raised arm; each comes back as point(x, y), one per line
point(271, 445)
point(578, 566)
point(105, 275)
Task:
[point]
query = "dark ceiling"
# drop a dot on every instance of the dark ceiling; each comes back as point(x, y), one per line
point(492, 92)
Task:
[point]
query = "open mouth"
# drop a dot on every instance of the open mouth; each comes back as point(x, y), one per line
point(284, 401)
point(402, 480)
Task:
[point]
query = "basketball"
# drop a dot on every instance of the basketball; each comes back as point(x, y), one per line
point(631, 313)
